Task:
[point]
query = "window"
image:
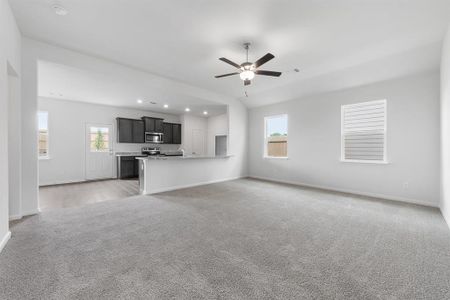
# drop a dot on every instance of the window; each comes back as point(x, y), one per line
point(363, 132)
point(43, 134)
point(275, 136)
point(99, 139)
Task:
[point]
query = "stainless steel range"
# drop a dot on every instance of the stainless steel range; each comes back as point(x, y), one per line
point(151, 150)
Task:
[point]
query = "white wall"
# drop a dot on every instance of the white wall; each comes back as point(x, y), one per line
point(412, 174)
point(217, 125)
point(34, 51)
point(10, 64)
point(67, 121)
point(14, 148)
point(210, 127)
point(445, 129)
point(191, 124)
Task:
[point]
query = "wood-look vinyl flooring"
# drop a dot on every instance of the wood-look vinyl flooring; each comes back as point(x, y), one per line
point(80, 194)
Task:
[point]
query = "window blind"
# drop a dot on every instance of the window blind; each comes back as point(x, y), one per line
point(364, 131)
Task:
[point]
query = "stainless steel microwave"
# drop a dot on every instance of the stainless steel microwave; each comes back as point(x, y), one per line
point(154, 137)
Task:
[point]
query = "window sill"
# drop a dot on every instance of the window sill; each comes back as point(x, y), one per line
point(364, 161)
point(275, 157)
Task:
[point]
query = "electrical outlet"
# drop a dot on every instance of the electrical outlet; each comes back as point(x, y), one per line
point(405, 185)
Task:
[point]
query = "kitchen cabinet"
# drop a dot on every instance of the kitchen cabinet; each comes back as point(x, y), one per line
point(130, 130)
point(176, 134)
point(167, 130)
point(172, 133)
point(124, 130)
point(153, 124)
point(138, 131)
point(127, 167)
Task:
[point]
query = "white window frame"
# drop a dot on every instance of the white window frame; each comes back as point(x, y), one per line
point(46, 157)
point(384, 161)
point(266, 118)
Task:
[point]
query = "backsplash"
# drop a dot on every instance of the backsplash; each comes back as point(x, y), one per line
point(121, 147)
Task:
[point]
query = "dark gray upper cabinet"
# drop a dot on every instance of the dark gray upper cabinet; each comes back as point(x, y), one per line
point(176, 133)
point(167, 130)
point(172, 133)
point(124, 130)
point(153, 124)
point(159, 125)
point(138, 131)
point(130, 130)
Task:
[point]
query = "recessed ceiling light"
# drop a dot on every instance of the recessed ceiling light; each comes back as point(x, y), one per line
point(139, 101)
point(166, 105)
point(187, 109)
point(205, 112)
point(60, 10)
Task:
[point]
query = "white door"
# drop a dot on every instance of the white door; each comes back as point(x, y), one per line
point(198, 142)
point(99, 152)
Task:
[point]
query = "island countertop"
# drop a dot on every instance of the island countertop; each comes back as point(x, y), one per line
point(162, 157)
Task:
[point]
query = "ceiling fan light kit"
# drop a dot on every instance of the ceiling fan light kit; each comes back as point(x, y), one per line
point(248, 70)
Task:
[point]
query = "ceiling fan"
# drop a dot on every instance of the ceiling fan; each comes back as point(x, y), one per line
point(248, 70)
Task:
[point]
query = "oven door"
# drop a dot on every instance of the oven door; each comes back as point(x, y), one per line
point(153, 137)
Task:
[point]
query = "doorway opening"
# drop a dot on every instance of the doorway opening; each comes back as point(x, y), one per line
point(221, 145)
point(76, 140)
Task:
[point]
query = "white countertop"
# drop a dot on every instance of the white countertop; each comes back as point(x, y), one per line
point(129, 154)
point(183, 157)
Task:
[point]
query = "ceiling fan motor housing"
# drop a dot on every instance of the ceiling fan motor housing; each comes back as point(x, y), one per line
point(247, 66)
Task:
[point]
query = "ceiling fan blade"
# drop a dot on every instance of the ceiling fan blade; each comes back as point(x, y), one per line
point(268, 73)
point(230, 62)
point(247, 82)
point(263, 60)
point(225, 75)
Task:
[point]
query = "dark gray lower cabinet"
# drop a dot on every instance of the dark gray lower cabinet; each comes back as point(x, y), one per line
point(127, 167)
point(172, 133)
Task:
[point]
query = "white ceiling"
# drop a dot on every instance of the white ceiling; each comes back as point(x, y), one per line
point(349, 42)
point(69, 83)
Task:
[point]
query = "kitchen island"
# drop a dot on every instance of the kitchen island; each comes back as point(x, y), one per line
point(165, 173)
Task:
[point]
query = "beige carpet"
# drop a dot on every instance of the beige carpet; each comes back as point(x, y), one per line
point(244, 239)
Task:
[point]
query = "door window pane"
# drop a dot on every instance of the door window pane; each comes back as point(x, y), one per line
point(99, 138)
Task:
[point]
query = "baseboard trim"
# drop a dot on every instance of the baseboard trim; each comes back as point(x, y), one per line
point(25, 214)
point(347, 191)
point(61, 182)
point(446, 217)
point(15, 217)
point(5, 240)
point(67, 182)
point(179, 187)
point(31, 212)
